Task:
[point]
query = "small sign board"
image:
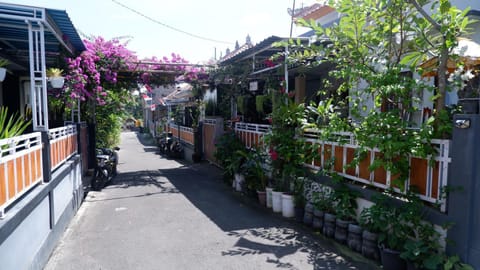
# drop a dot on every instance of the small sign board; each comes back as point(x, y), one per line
point(254, 86)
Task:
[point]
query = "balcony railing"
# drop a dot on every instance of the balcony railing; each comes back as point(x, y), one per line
point(63, 144)
point(185, 134)
point(20, 167)
point(429, 179)
point(251, 134)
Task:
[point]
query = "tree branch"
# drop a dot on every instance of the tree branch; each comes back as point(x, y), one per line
point(437, 26)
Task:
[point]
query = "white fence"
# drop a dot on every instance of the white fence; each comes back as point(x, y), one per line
point(429, 179)
point(20, 167)
point(251, 134)
point(63, 144)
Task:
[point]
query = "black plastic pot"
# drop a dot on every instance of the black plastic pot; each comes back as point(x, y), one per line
point(308, 214)
point(299, 213)
point(391, 259)
point(329, 225)
point(341, 230)
point(370, 245)
point(318, 222)
point(354, 240)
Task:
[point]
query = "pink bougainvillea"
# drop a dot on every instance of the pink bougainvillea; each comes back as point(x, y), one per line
point(96, 70)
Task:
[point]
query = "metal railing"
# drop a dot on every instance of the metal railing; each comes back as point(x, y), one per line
point(430, 178)
point(20, 167)
point(251, 134)
point(63, 144)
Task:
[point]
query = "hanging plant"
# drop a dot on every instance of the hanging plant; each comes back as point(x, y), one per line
point(241, 104)
point(260, 101)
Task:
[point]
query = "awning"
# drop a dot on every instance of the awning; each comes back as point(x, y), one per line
point(468, 52)
point(14, 42)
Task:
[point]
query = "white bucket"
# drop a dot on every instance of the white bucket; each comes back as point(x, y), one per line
point(269, 196)
point(288, 207)
point(277, 201)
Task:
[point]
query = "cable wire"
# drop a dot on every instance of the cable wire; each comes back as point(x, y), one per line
point(168, 26)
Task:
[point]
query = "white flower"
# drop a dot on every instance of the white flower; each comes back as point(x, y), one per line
point(468, 75)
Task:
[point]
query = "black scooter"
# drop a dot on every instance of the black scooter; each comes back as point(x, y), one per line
point(105, 167)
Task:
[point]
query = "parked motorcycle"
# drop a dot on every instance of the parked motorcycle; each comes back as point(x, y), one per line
point(165, 142)
point(105, 168)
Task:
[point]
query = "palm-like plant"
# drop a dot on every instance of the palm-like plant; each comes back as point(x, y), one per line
point(11, 126)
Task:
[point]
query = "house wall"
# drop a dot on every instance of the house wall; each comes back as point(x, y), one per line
point(33, 226)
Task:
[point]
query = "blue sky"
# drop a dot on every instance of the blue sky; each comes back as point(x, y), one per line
point(220, 20)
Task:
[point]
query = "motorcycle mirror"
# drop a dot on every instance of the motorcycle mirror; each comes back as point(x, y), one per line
point(116, 148)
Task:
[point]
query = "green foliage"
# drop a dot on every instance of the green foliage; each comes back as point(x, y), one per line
point(252, 167)
point(260, 102)
point(323, 200)
point(110, 117)
point(345, 202)
point(54, 72)
point(4, 62)
point(290, 150)
point(229, 153)
point(11, 126)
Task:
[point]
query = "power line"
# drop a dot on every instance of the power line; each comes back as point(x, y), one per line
point(168, 26)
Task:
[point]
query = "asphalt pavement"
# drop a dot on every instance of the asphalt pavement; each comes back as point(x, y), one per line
point(165, 214)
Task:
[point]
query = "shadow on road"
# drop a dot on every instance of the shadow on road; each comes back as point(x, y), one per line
point(258, 231)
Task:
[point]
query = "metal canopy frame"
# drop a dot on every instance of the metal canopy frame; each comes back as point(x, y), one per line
point(33, 37)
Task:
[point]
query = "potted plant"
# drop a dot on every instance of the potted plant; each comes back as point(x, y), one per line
point(322, 203)
point(227, 156)
point(299, 198)
point(255, 176)
point(422, 246)
point(345, 206)
point(11, 126)
point(369, 218)
point(55, 77)
point(3, 69)
point(393, 224)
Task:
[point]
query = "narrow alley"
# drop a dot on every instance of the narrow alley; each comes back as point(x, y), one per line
point(162, 214)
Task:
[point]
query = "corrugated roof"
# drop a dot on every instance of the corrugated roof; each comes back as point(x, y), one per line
point(261, 46)
point(59, 32)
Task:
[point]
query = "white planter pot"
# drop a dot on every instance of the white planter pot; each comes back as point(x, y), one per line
point(3, 73)
point(56, 82)
point(239, 179)
point(288, 207)
point(277, 201)
point(269, 196)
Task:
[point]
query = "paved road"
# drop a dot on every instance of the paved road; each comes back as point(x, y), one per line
point(162, 214)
